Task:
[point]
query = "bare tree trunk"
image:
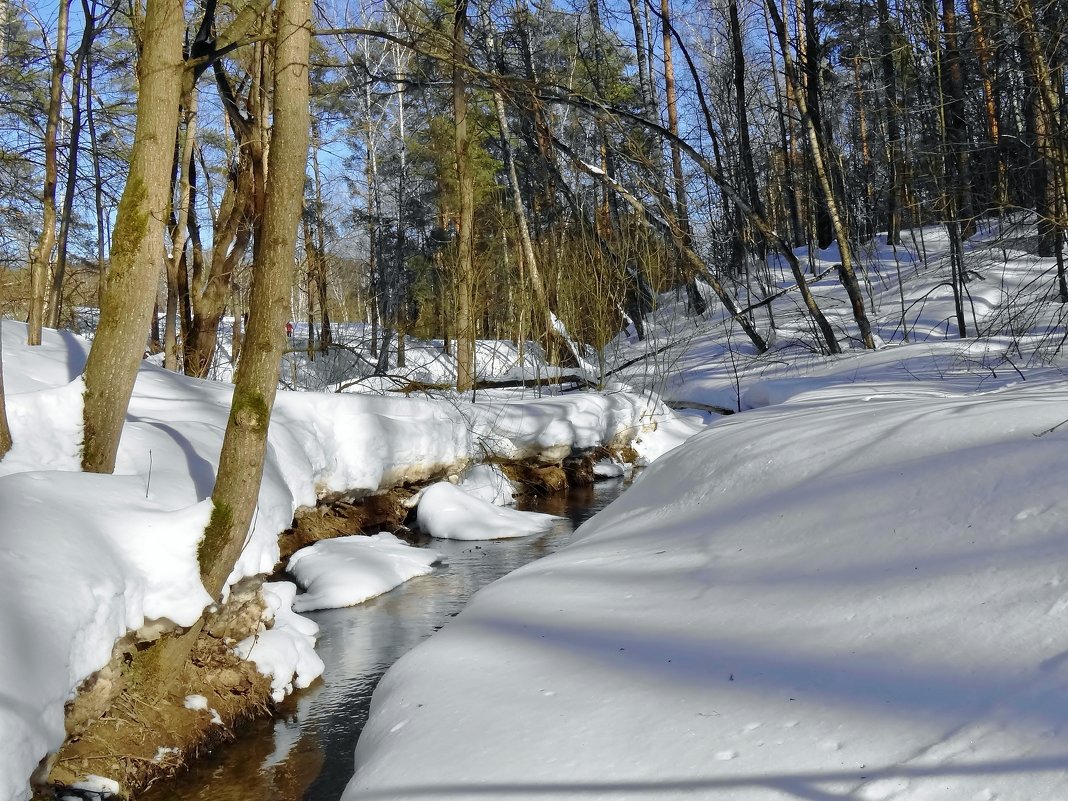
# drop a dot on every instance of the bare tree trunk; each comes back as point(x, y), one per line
point(957, 125)
point(744, 145)
point(847, 273)
point(465, 324)
point(682, 212)
point(41, 257)
point(98, 181)
point(985, 56)
point(1051, 179)
point(895, 157)
point(321, 277)
point(55, 299)
point(640, 56)
point(137, 244)
point(5, 431)
point(179, 229)
point(399, 66)
point(239, 216)
point(245, 443)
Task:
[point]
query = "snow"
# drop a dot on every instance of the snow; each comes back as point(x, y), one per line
point(489, 483)
point(88, 559)
point(446, 511)
point(286, 651)
point(349, 570)
point(853, 588)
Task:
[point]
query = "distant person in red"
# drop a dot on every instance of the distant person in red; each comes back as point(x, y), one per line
point(289, 329)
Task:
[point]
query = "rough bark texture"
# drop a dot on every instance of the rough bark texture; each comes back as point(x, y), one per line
point(137, 242)
point(245, 443)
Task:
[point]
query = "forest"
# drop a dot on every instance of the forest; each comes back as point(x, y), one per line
point(800, 260)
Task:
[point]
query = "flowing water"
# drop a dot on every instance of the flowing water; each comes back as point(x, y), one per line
point(306, 754)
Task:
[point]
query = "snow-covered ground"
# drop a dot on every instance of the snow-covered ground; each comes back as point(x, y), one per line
point(855, 588)
point(88, 558)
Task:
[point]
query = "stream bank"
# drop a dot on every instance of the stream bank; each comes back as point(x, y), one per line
point(305, 752)
point(112, 733)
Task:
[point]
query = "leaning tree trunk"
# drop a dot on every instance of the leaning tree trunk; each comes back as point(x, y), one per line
point(244, 447)
point(137, 252)
point(847, 272)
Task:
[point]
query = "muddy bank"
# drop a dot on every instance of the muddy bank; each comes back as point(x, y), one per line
point(113, 731)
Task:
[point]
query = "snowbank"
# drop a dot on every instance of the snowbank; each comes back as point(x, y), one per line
point(860, 600)
point(855, 588)
point(349, 570)
point(446, 511)
point(88, 558)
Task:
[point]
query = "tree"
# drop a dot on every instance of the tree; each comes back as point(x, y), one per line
point(137, 252)
point(465, 179)
point(244, 447)
point(41, 258)
point(5, 431)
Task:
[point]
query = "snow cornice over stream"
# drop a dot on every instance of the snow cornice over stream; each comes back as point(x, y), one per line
point(88, 558)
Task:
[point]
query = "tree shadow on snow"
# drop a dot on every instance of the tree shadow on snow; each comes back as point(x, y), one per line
point(802, 786)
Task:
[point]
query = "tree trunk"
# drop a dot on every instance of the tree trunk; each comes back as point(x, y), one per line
point(137, 242)
point(744, 145)
point(5, 431)
point(55, 299)
point(326, 337)
point(847, 273)
point(98, 180)
point(894, 153)
point(239, 216)
point(682, 212)
point(465, 324)
point(41, 257)
point(985, 56)
point(179, 230)
point(237, 483)
point(959, 171)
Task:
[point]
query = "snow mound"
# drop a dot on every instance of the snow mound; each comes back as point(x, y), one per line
point(350, 570)
point(488, 482)
point(446, 511)
point(286, 651)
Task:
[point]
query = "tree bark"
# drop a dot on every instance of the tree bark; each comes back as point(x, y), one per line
point(465, 324)
point(892, 111)
point(744, 144)
point(5, 430)
point(137, 242)
point(847, 271)
point(41, 257)
point(55, 299)
point(682, 212)
point(237, 483)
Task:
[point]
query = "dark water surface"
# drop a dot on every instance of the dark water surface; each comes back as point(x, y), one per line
point(307, 753)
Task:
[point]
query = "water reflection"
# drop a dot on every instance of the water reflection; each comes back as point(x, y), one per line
point(306, 754)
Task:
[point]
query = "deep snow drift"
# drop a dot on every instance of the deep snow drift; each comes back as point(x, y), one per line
point(87, 558)
point(853, 589)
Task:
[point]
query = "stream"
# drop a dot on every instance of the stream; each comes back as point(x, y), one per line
point(306, 752)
